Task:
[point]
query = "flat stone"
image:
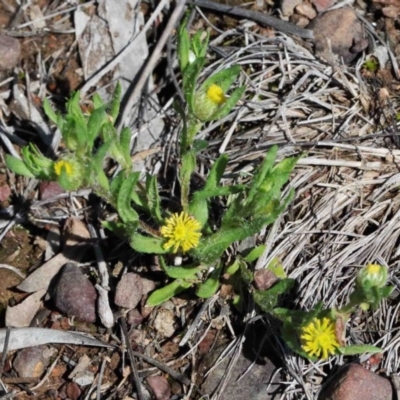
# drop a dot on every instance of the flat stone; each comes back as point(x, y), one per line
point(254, 384)
point(354, 382)
point(336, 33)
point(322, 5)
point(306, 10)
point(129, 291)
point(159, 387)
point(288, 6)
point(10, 50)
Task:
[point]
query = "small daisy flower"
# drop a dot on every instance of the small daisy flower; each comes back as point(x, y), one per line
point(318, 338)
point(62, 164)
point(216, 95)
point(182, 232)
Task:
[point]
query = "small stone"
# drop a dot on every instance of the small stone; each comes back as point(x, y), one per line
point(74, 294)
point(159, 386)
point(47, 190)
point(10, 50)
point(353, 382)
point(129, 291)
point(288, 7)
point(336, 32)
point(306, 10)
point(84, 378)
point(31, 362)
point(322, 5)
point(5, 193)
point(264, 279)
point(73, 391)
point(134, 317)
point(148, 286)
point(299, 20)
point(164, 322)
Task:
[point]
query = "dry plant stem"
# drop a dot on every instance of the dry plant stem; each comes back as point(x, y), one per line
point(135, 373)
point(272, 22)
point(153, 60)
point(119, 57)
point(101, 375)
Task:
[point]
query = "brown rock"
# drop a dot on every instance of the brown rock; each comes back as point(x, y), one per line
point(353, 382)
point(306, 10)
point(73, 391)
point(159, 386)
point(129, 291)
point(5, 193)
point(299, 20)
point(10, 50)
point(337, 32)
point(74, 294)
point(31, 362)
point(47, 190)
point(264, 279)
point(134, 317)
point(288, 6)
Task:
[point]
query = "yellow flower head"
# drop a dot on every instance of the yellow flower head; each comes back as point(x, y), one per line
point(216, 95)
point(62, 164)
point(373, 269)
point(182, 230)
point(318, 338)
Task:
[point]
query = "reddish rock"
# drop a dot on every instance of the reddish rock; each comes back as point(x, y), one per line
point(74, 294)
point(159, 386)
point(5, 193)
point(264, 279)
point(353, 382)
point(129, 291)
point(134, 317)
point(73, 391)
point(48, 190)
point(337, 32)
point(322, 5)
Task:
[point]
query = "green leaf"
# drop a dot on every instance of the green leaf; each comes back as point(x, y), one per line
point(124, 208)
point(358, 349)
point(262, 172)
point(199, 145)
point(216, 172)
point(268, 299)
point(146, 244)
point(245, 273)
point(219, 191)
point(116, 101)
point(96, 120)
point(125, 145)
point(276, 267)
point(188, 165)
point(18, 166)
point(48, 109)
point(162, 295)
point(255, 253)
point(189, 80)
point(385, 291)
point(118, 228)
point(186, 272)
point(210, 286)
point(116, 183)
point(224, 78)
point(183, 46)
point(153, 198)
point(97, 101)
point(234, 267)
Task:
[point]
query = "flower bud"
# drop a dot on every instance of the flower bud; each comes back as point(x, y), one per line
point(372, 275)
point(208, 101)
point(69, 173)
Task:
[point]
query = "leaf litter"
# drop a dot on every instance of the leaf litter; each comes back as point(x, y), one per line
point(345, 214)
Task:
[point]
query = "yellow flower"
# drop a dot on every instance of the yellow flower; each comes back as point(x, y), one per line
point(182, 230)
point(62, 164)
point(318, 338)
point(373, 269)
point(216, 95)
